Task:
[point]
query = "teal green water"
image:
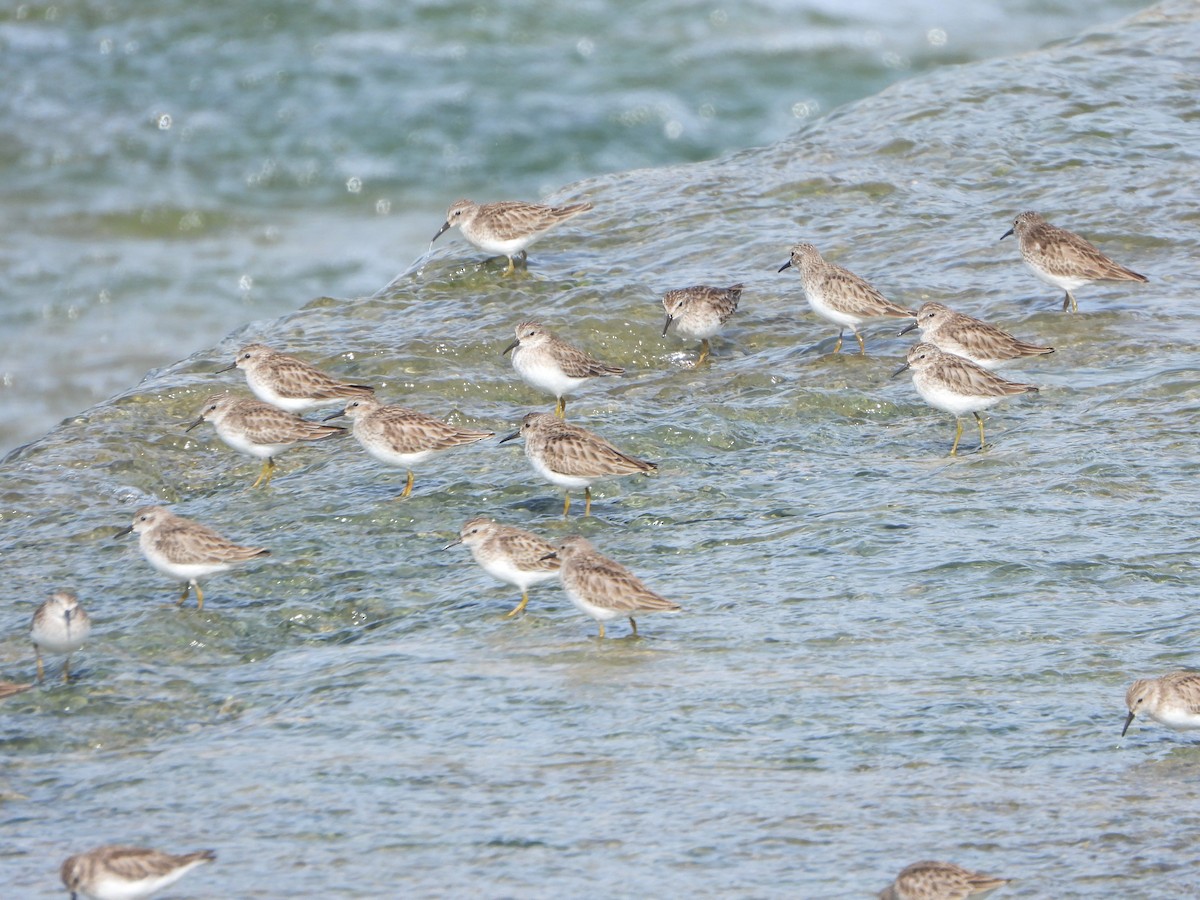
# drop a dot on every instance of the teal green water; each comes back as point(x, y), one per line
point(885, 655)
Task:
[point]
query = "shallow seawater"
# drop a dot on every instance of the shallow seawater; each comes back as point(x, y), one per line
point(885, 655)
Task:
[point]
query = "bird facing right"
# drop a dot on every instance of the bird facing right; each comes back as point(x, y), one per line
point(127, 873)
point(957, 386)
point(603, 588)
point(931, 880)
point(1062, 258)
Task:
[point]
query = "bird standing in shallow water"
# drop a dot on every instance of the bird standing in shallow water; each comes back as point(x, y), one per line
point(552, 365)
point(571, 456)
point(1172, 700)
point(957, 386)
point(127, 873)
point(290, 383)
point(700, 312)
point(259, 429)
point(184, 549)
point(513, 555)
point(840, 296)
point(60, 625)
point(1062, 258)
point(981, 343)
point(506, 228)
point(931, 880)
point(603, 588)
point(402, 437)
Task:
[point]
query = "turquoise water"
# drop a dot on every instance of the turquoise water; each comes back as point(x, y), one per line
point(885, 655)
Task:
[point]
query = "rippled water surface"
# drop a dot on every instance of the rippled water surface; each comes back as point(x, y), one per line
point(885, 654)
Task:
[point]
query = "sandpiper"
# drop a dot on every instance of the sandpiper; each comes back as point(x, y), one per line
point(981, 343)
point(1062, 258)
point(510, 554)
point(552, 365)
point(571, 456)
point(60, 625)
point(290, 383)
point(506, 228)
point(699, 312)
point(603, 588)
point(839, 295)
point(185, 550)
point(259, 429)
point(957, 386)
point(403, 437)
point(931, 880)
point(127, 873)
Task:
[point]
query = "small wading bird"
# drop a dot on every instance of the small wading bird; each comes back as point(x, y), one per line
point(550, 364)
point(506, 228)
point(1062, 258)
point(185, 550)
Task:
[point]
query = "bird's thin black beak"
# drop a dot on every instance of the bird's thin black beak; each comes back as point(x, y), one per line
point(786, 265)
point(453, 543)
point(199, 421)
point(232, 365)
point(1006, 234)
point(670, 319)
point(512, 346)
point(515, 434)
point(1128, 722)
point(899, 370)
point(907, 328)
point(123, 532)
point(445, 227)
point(334, 415)
point(553, 555)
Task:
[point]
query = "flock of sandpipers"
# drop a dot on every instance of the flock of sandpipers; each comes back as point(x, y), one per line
point(952, 370)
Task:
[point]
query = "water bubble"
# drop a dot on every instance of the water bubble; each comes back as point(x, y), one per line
point(106, 46)
point(802, 109)
point(585, 47)
point(354, 184)
point(164, 122)
point(707, 111)
point(718, 17)
point(673, 129)
point(383, 207)
point(936, 37)
point(245, 282)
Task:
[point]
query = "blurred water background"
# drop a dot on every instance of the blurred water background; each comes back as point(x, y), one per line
point(885, 655)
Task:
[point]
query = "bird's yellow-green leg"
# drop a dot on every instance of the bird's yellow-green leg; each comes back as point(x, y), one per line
point(837, 348)
point(199, 596)
point(67, 670)
point(587, 501)
point(187, 586)
point(862, 347)
point(407, 486)
point(268, 469)
point(566, 504)
point(1069, 303)
point(520, 606)
point(979, 419)
point(601, 635)
point(703, 351)
point(957, 436)
point(633, 625)
point(512, 267)
point(41, 671)
point(560, 409)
